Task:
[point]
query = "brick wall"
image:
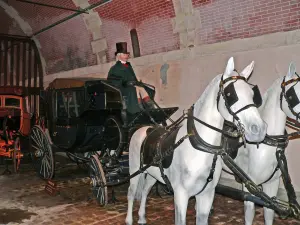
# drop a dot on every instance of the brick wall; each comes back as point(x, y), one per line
point(151, 19)
point(223, 20)
point(66, 46)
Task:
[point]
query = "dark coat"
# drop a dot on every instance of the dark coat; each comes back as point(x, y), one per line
point(118, 75)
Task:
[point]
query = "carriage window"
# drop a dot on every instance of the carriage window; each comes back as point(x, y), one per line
point(61, 105)
point(76, 103)
point(14, 102)
point(70, 103)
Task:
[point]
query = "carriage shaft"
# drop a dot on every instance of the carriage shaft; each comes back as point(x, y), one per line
point(239, 195)
point(272, 203)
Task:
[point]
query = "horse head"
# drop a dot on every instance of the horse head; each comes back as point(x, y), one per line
point(290, 94)
point(238, 101)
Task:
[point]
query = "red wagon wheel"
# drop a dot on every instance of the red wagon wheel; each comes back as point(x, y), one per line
point(17, 155)
point(5, 131)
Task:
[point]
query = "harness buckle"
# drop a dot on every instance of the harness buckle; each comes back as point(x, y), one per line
point(209, 179)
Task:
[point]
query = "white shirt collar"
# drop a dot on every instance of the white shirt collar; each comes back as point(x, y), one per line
point(123, 62)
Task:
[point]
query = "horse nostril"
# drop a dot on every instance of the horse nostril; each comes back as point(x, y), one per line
point(254, 129)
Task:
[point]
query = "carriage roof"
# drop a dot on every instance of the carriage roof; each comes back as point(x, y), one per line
point(62, 83)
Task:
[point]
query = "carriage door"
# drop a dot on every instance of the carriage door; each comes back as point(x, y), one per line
point(67, 110)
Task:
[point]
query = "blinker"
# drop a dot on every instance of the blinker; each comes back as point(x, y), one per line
point(292, 98)
point(257, 99)
point(231, 97)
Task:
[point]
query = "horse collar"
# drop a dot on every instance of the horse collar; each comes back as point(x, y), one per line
point(196, 141)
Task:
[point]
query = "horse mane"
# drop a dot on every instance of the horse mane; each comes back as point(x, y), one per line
point(206, 91)
point(271, 88)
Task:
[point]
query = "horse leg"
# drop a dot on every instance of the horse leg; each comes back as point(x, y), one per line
point(134, 191)
point(210, 212)
point(150, 181)
point(204, 203)
point(249, 210)
point(181, 202)
point(271, 189)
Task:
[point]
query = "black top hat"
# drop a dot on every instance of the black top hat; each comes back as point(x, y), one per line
point(121, 48)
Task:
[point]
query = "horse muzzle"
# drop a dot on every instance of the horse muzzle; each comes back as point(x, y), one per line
point(256, 132)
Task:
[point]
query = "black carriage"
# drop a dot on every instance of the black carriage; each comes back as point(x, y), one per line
point(85, 117)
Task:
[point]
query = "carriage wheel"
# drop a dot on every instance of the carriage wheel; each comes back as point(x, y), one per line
point(98, 180)
point(81, 158)
point(41, 153)
point(17, 155)
point(113, 134)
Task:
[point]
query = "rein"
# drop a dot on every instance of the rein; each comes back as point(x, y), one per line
point(281, 141)
point(189, 115)
point(278, 141)
point(195, 139)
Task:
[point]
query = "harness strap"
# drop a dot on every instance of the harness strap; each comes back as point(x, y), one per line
point(272, 175)
point(282, 162)
point(211, 173)
point(143, 147)
point(160, 155)
point(196, 141)
point(245, 107)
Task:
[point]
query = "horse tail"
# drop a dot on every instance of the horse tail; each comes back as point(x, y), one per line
point(138, 181)
point(140, 187)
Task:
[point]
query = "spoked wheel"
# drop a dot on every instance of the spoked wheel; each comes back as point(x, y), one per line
point(81, 159)
point(98, 181)
point(17, 155)
point(41, 153)
point(113, 134)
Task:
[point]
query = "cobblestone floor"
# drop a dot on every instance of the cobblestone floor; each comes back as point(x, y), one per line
point(24, 201)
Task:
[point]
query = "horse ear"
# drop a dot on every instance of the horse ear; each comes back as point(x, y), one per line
point(229, 68)
point(291, 73)
point(248, 70)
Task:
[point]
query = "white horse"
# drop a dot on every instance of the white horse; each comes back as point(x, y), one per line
point(190, 167)
point(259, 162)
